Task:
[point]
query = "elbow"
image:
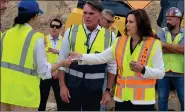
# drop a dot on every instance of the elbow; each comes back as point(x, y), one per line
point(161, 75)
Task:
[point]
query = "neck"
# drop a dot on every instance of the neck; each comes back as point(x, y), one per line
point(54, 37)
point(176, 30)
point(91, 29)
point(135, 38)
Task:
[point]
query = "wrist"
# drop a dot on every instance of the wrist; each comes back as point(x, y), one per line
point(108, 90)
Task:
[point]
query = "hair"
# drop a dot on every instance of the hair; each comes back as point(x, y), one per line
point(57, 20)
point(108, 12)
point(23, 18)
point(143, 24)
point(95, 5)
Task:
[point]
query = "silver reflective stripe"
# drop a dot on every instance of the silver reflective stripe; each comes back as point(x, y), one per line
point(73, 37)
point(1, 44)
point(107, 39)
point(121, 77)
point(142, 94)
point(18, 68)
point(25, 47)
point(75, 73)
point(140, 86)
point(94, 75)
point(123, 51)
point(148, 55)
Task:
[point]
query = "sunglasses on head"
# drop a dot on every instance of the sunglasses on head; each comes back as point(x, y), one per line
point(108, 21)
point(56, 26)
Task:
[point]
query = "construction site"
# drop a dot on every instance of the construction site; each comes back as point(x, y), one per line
point(62, 9)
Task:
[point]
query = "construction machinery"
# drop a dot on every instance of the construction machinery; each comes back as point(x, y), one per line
point(122, 7)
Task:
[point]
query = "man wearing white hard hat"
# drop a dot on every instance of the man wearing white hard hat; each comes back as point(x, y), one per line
point(172, 38)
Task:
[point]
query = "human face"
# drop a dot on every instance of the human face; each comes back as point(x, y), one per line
point(91, 17)
point(4, 5)
point(172, 22)
point(106, 21)
point(55, 28)
point(131, 25)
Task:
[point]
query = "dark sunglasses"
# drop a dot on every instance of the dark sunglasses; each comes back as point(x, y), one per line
point(108, 21)
point(56, 26)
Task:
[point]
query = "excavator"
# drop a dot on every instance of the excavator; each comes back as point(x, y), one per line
point(122, 7)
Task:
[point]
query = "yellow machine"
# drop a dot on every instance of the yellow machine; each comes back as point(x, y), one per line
point(120, 8)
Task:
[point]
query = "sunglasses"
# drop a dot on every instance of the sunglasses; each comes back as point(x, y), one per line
point(108, 21)
point(56, 26)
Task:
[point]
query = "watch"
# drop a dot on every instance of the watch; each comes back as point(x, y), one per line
point(108, 89)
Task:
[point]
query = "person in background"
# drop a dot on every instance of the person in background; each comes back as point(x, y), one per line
point(139, 59)
point(53, 41)
point(172, 38)
point(23, 61)
point(107, 21)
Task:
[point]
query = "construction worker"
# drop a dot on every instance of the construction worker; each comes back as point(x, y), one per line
point(23, 61)
point(3, 6)
point(52, 46)
point(107, 21)
point(81, 86)
point(139, 59)
point(172, 38)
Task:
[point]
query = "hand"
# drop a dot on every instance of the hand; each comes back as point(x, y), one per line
point(106, 98)
point(54, 74)
point(136, 66)
point(74, 55)
point(64, 94)
point(54, 51)
point(65, 63)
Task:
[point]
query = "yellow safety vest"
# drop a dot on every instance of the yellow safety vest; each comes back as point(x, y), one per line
point(173, 62)
point(130, 85)
point(52, 58)
point(78, 41)
point(19, 80)
point(92, 76)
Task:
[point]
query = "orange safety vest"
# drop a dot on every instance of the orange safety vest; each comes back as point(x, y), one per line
point(132, 87)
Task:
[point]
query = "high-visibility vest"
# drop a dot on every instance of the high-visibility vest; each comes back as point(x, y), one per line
point(19, 80)
point(52, 58)
point(91, 75)
point(173, 62)
point(115, 30)
point(130, 85)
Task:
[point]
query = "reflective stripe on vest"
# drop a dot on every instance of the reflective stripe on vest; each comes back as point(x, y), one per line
point(20, 67)
point(1, 44)
point(136, 82)
point(87, 75)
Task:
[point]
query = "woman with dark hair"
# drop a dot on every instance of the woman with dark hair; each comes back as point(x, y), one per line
point(139, 59)
point(23, 61)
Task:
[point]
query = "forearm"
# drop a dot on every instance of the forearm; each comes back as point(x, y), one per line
point(61, 75)
point(174, 48)
point(166, 51)
point(110, 80)
point(101, 58)
point(56, 66)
